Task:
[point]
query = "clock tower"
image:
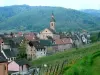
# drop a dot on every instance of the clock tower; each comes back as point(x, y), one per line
point(52, 22)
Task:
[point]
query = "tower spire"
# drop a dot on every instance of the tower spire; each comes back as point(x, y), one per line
point(52, 22)
point(52, 17)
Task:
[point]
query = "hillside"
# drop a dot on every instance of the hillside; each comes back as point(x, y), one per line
point(87, 66)
point(72, 54)
point(58, 63)
point(36, 18)
point(92, 12)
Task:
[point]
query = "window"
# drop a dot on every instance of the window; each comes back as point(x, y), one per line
point(12, 58)
point(5, 67)
point(41, 49)
point(52, 24)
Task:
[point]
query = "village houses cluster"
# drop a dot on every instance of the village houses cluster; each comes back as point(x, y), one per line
point(37, 45)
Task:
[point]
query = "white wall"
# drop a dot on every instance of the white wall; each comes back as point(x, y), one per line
point(41, 53)
point(45, 33)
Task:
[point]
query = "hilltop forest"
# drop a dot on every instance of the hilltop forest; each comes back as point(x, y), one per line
point(36, 18)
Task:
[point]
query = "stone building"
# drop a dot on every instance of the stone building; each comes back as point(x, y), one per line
point(51, 31)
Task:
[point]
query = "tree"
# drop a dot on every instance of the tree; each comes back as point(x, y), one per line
point(99, 36)
point(94, 37)
point(22, 51)
point(12, 34)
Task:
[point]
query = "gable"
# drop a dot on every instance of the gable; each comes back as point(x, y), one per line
point(46, 31)
point(13, 66)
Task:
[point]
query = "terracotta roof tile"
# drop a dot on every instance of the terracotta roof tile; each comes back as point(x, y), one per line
point(63, 41)
point(67, 40)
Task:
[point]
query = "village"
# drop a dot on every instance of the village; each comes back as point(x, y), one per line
point(17, 49)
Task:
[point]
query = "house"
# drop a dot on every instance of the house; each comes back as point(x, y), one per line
point(17, 34)
point(18, 66)
point(77, 41)
point(35, 50)
point(49, 31)
point(8, 52)
point(3, 65)
point(63, 44)
point(80, 39)
point(48, 44)
point(17, 40)
point(30, 36)
point(30, 50)
point(85, 38)
point(40, 51)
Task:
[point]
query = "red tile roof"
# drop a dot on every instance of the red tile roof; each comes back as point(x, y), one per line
point(67, 40)
point(58, 41)
point(20, 33)
point(63, 41)
point(30, 36)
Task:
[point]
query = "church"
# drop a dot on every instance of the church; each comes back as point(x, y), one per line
point(51, 31)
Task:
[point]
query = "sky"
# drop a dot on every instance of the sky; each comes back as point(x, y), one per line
point(73, 4)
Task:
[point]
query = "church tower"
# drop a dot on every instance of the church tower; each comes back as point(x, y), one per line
point(52, 22)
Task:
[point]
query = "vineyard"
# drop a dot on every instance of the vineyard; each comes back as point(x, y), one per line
point(56, 64)
point(89, 65)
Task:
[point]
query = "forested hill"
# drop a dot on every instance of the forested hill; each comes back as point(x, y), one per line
point(92, 12)
point(36, 18)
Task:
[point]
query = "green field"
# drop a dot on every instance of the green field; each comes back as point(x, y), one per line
point(89, 65)
point(70, 56)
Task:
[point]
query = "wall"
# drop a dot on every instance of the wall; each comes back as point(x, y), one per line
point(3, 69)
point(45, 33)
point(63, 47)
point(13, 66)
point(30, 52)
point(41, 53)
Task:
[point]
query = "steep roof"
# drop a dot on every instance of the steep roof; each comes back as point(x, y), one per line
point(46, 42)
point(39, 47)
point(15, 51)
point(30, 36)
point(2, 58)
point(59, 42)
point(67, 40)
point(53, 31)
point(52, 18)
point(63, 41)
point(18, 40)
point(22, 62)
point(36, 44)
point(9, 53)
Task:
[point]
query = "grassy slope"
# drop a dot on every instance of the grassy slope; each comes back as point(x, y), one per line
point(87, 66)
point(71, 55)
